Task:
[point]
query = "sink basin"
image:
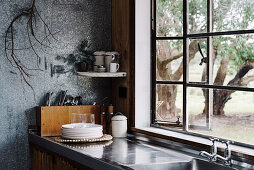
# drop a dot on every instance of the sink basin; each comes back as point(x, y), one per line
point(161, 166)
point(197, 164)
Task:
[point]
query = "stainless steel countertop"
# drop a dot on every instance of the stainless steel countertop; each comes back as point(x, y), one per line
point(120, 153)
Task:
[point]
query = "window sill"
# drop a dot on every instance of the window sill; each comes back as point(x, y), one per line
point(202, 143)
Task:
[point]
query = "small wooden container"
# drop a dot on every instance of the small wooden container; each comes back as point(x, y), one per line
point(50, 119)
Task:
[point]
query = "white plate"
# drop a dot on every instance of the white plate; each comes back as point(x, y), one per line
point(83, 137)
point(80, 134)
point(81, 126)
point(82, 131)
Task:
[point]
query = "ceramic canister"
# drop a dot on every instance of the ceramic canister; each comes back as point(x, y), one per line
point(99, 58)
point(119, 125)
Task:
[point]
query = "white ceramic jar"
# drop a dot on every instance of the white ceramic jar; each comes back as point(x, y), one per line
point(99, 59)
point(119, 125)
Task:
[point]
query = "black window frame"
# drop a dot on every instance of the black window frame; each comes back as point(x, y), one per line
point(185, 37)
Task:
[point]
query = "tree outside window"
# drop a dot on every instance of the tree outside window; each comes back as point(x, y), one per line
point(231, 68)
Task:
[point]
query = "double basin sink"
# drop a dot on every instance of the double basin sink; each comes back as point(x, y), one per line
point(197, 164)
point(194, 164)
point(141, 155)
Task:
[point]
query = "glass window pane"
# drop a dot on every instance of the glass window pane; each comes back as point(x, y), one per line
point(234, 60)
point(169, 101)
point(196, 107)
point(169, 17)
point(231, 15)
point(233, 116)
point(197, 16)
point(169, 60)
point(197, 68)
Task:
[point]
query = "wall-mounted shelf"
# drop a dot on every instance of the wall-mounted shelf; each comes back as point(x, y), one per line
point(104, 74)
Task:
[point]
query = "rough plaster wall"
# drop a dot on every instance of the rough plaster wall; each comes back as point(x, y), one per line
point(76, 20)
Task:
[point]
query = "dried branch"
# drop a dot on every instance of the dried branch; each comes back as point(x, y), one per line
point(10, 49)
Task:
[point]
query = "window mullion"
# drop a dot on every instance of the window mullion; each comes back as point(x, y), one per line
point(153, 61)
point(185, 63)
point(209, 64)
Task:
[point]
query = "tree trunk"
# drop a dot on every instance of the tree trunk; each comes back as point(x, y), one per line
point(168, 109)
point(168, 93)
point(221, 97)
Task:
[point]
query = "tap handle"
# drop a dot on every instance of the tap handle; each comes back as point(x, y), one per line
point(226, 143)
point(213, 147)
point(227, 152)
point(213, 140)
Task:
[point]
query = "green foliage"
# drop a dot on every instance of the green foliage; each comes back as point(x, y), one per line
point(169, 17)
point(176, 44)
point(244, 49)
point(197, 16)
point(227, 15)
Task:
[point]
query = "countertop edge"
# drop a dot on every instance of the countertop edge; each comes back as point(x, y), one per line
point(73, 155)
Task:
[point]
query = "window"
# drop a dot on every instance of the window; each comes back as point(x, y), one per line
point(203, 67)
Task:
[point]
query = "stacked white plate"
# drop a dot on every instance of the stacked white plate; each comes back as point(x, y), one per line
point(82, 131)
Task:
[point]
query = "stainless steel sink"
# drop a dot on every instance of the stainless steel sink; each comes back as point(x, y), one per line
point(197, 164)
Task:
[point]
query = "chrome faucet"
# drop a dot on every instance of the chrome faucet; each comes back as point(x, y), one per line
point(227, 154)
point(211, 156)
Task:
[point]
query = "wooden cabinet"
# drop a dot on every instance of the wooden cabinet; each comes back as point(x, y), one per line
point(45, 160)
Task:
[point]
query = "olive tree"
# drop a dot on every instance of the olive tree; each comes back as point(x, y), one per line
point(232, 54)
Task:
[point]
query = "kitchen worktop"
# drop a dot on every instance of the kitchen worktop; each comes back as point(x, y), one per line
point(119, 153)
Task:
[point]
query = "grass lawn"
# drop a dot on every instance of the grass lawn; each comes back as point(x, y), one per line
point(238, 122)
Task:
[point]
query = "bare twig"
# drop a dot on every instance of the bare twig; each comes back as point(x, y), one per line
point(11, 51)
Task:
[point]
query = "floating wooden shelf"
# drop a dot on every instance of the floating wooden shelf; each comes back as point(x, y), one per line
point(104, 74)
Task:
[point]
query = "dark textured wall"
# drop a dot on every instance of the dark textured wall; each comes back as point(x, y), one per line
point(76, 20)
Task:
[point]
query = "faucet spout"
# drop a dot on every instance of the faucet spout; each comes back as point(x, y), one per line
point(225, 160)
point(213, 156)
point(206, 154)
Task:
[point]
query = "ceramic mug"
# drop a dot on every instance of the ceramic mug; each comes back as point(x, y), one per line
point(114, 67)
point(108, 60)
point(110, 57)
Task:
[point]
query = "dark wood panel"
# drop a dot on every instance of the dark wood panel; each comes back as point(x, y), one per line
point(123, 41)
point(42, 159)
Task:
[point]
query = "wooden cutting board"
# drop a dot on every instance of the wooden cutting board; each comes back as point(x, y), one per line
point(50, 119)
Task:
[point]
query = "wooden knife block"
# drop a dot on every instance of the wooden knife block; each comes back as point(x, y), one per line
point(50, 119)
